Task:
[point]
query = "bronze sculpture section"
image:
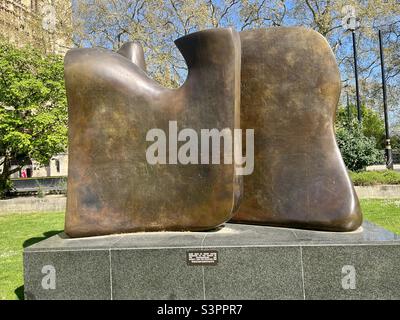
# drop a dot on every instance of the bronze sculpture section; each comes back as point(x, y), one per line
point(289, 84)
point(289, 93)
point(113, 104)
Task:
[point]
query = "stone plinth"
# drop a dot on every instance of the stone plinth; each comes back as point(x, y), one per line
point(234, 262)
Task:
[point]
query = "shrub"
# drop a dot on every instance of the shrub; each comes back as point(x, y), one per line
point(372, 122)
point(369, 178)
point(358, 151)
point(41, 193)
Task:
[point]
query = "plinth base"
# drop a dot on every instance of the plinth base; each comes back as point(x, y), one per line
point(234, 262)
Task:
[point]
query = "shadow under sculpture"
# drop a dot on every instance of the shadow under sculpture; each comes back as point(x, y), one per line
point(113, 104)
point(290, 87)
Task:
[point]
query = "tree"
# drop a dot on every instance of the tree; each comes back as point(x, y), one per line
point(156, 23)
point(33, 109)
point(358, 150)
point(372, 125)
point(326, 16)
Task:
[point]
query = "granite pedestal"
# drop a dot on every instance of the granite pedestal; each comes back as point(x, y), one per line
point(233, 262)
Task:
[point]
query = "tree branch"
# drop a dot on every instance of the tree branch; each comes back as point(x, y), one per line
point(225, 12)
point(10, 172)
point(213, 19)
point(312, 10)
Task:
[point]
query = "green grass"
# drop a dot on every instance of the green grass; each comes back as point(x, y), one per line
point(369, 178)
point(19, 231)
point(385, 213)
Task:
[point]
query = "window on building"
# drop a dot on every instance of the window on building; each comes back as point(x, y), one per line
point(34, 5)
point(58, 166)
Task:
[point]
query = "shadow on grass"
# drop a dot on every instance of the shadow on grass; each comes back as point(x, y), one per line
point(19, 292)
point(46, 235)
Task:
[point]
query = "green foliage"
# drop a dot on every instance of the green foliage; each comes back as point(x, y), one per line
point(33, 107)
point(373, 125)
point(41, 193)
point(5, 185)
point(62, 186)
point(358, 150)
point(369, 178)
point(395, 142)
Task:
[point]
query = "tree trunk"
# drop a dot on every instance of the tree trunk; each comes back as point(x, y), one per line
point(5, 182)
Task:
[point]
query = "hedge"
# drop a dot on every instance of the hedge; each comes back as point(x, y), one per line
point(370, 178)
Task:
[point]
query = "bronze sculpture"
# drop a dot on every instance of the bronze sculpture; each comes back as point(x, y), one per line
point(113, 104)
point(289, 94)
point(289, 88)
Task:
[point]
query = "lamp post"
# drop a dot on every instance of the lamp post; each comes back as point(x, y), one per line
point(352, 23)
point(346, 87)
point(388, 148)
point(353, 34)
point(348, 109)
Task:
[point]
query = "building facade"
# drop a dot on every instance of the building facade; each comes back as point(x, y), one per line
point(57, 167)
point(35, 22)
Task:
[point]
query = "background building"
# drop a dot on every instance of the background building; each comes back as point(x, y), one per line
point(58, 167)
point(44, 24)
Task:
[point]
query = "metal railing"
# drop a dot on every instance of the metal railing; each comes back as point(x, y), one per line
point(35, 185)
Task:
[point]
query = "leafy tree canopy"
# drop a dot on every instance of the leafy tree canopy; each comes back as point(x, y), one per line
point(373, 125)
point(33, 109)
point(358, 150)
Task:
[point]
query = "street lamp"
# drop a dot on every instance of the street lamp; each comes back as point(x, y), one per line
point(353, 33)
point(352, 23)
point(348, 110)
point(388, 148)
point(348, 106)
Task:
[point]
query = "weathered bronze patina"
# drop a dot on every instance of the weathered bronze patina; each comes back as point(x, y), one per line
point(112, 106)
point(290, 86)
point(289, 93)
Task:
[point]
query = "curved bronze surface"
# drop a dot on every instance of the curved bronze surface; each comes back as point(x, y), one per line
point(112, 106)
point(289, 93)
point(134, 52)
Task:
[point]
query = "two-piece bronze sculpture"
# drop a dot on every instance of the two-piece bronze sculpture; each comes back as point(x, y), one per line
point(289, 87)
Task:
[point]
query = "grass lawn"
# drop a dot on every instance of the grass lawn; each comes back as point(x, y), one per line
point(385, 213)
point(16, 232)
point(19, 231)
